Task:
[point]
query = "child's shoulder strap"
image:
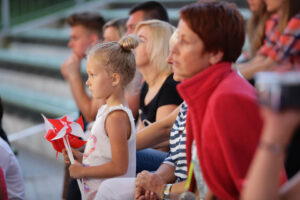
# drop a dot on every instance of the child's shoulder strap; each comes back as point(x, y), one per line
point(120, 107)
point(125, 109)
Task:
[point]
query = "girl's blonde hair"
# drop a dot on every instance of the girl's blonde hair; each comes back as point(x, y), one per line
point(256, 28)
point(158, 44)
point(290, 9)
point(117, 57)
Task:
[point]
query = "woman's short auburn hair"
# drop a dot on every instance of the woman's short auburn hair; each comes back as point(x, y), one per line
point(218, 24)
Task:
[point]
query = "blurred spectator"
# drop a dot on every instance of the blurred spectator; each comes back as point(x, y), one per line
point(140, 12)
point(256, 25)
point(12, 172)
point(145, 11)
point(262, 179)
point(2, 133)
point(86, 30)
point(114, 30)
point(282, 42)
point(3, 189)
point(281, 47)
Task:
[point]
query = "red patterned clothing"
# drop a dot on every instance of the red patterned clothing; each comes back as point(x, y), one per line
point(284, 48)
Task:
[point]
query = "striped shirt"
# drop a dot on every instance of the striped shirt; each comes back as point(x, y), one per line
point(177, 155)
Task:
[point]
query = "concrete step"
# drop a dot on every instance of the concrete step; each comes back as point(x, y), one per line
point(60, 37)
point(50, 36)
point(36, 94)
point(167, 3)
point(39, 49)
point(37, 83)
point(36, 102)
point(28, 61)
point(43, 176)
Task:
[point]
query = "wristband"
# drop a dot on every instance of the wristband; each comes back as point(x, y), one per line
point(273, 148)
point(166, 191)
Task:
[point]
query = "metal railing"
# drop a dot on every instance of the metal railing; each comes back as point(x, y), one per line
point(14, 12)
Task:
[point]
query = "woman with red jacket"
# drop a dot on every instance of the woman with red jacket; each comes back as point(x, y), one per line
point(223, 121)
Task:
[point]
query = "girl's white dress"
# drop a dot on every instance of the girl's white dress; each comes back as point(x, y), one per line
point(98, 150)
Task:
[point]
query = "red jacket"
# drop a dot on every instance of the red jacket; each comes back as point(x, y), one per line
point(223, 118)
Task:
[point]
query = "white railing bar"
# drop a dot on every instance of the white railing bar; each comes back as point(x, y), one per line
point(5, 15)
point(34, 130)
point(27, 132)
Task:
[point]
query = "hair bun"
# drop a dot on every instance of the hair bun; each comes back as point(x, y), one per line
point(129, 42)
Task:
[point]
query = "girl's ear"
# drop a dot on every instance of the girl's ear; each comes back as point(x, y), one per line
point(116, 79)
point(215, 57)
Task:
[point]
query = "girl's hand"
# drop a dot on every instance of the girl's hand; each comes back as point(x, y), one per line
point(77, 156)
point(76, 170)
point(66, 157)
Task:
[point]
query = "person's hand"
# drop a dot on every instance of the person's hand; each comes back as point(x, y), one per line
point(77, 155)
point(149, 195)
point(76, 170)
point(141, 194)
point(286, 118)
point(209, 195)
point(66, 157)
point(280, 125)
point(151, 183)
point(71, 67)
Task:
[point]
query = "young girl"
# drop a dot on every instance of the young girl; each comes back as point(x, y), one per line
point(110, 149)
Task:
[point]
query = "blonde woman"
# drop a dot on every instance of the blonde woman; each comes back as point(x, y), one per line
point(159, 96)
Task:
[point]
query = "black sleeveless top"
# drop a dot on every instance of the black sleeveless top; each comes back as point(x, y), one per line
point(166, 95)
